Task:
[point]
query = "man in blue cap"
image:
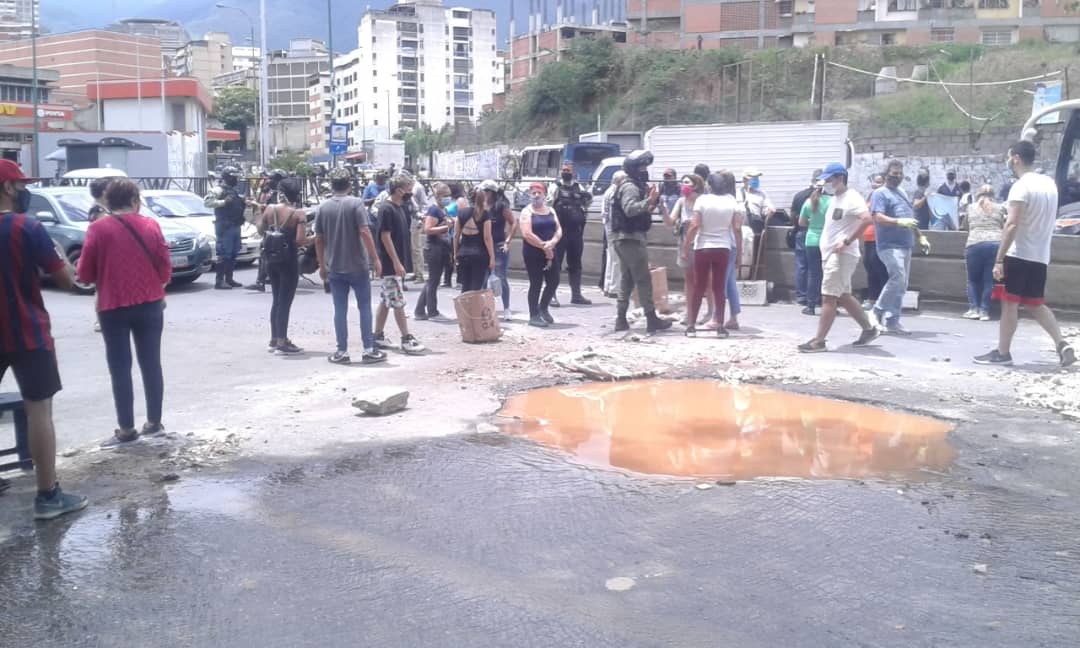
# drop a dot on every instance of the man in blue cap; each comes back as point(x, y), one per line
point(845, 223)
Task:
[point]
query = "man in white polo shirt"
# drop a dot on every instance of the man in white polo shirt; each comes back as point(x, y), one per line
point(847, 219)
point(1024, 255)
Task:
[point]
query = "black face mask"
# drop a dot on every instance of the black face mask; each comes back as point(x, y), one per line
point(893, 181)
point(22, 200)
point(406, 197)
point(567, 177)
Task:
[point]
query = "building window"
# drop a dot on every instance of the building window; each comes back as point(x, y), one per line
point(903, 5)
point(993, 4)
point(460, 14)
point(888, 38)
point(942, 35)
point(997, 36)
point(785, 7)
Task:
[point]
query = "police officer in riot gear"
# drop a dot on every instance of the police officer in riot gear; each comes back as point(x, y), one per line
point(228, 219)
point(571, 204)
point(631, 217)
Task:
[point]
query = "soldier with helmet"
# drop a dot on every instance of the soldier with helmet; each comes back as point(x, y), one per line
point(631, 217)
point(228, 219)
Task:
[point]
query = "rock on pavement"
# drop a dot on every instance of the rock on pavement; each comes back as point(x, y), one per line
point(382, 401)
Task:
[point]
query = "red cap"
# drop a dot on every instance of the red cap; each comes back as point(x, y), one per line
point(537, 186)
point(9, 172)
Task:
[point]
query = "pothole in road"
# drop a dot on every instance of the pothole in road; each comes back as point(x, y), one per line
point(714, 430)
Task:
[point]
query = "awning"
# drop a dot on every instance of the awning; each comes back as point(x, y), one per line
point(222, 135)
point(359, 156)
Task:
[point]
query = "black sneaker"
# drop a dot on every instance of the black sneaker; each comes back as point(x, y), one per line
point(1067, 354)
point(813, 346)
point(150, 429)
point(120, 437)
point(578, 300)
point(867, 336)
point(381, 342)
point(809, 310)
point(373, 357)
point(995, 357)
point(420, 316)
point(546, 316)
point(272, 346)
point(340, 357)
point(257, 287)
point(538, 322)
point(288, 348)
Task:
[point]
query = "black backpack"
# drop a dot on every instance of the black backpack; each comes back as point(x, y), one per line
point(276, 243)
point(620, 222)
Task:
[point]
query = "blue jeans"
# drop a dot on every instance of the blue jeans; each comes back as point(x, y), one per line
point(814, 275)
point(980, 271)
point(228, 242)
point(143, 323)
point(502, 267)
point(898, 263)
point(360, 283)
point(800, 267)
point(732, 290)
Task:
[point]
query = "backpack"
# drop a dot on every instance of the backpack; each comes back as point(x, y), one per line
point(620, 222)
point(276, 243)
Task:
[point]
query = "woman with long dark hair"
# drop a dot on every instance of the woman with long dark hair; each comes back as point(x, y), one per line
point(127, 257)
point(541, 232)
point(473, 247)
point(503, 228)
point(812, 219)
point(282, 229)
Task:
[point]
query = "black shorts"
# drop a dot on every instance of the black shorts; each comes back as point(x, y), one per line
point(35, 372)
point(1025, 282)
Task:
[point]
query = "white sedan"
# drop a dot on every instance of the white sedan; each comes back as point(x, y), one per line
point(188, 207)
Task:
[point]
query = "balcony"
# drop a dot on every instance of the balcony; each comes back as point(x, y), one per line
point(946, 10)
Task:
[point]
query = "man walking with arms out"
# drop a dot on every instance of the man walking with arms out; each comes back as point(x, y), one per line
point(26, 344)
point(342, 235)
point(1024, 255)
point(845, 223)
point(895, 225)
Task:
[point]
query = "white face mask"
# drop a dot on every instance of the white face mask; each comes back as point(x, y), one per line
point(829, 189)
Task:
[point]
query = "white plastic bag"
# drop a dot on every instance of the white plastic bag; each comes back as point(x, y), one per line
point(494, 284)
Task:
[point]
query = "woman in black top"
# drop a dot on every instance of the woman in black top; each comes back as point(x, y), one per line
point(474, 249)
point(437, 225)
point(288, 218)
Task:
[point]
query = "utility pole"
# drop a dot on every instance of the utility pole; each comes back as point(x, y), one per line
point(34, 90)
point(333, 90)
point(264, 129)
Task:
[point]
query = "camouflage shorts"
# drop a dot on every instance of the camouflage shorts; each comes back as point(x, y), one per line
point(392, 294)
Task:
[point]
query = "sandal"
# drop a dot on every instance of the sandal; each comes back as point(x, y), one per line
point(690, 332)
point(722, 333)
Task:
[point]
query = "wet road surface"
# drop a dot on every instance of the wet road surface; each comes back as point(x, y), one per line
point(493, 540)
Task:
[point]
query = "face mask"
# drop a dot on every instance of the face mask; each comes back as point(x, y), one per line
point(567, 177)
point(755, 183)
point(643, 175)
point(537, 201)
point(406, 197)
point(893, 181)
point(828, 189)
point(445, 202)
point(22, 200)
point(687, 190)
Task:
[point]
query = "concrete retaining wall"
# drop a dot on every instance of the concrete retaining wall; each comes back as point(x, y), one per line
point(940, 276)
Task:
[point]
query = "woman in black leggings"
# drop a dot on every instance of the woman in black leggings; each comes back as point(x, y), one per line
point(287, 219)
point(541, 230)
point(475, 251)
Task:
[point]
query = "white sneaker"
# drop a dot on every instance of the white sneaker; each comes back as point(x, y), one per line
point(984, 316)
point(507, 315)
point(972, 314)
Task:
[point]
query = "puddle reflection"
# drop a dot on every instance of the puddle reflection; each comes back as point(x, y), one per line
point(710, 429)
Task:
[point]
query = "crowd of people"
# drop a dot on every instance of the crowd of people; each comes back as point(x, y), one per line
point(386, 231)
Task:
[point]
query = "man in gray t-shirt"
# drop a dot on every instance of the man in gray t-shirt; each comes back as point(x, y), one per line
point(344, 243)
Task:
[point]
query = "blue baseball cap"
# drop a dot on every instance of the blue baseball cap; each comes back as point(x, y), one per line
point(833, 169)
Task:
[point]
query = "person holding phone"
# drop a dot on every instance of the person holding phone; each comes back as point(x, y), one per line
point(503, 228)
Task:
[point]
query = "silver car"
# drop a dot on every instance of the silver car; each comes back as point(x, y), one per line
point(188, 208)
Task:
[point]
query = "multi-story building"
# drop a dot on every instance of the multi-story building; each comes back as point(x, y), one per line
point(169, 33)
point(419, 62)
point(17, 109)
point(287, 82)
point(17, 18)
point(88, 57)
point(204, 59)
point(783, 23)
point(547, 44)
point(321, 103)
point(244, 57)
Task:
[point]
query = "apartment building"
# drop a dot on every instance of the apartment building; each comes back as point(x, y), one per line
point(288, 98)
point(785, 23)
point(88, 57)
point(204, 59)
point(244, 57)
point(169, 33)
point(321, 105)
point(419, 62)
point(16, 18)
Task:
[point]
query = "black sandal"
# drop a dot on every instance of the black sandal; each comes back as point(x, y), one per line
point(690, 332)
point(722, 333)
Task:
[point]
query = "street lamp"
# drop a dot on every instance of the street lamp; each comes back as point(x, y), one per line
point(259, 145)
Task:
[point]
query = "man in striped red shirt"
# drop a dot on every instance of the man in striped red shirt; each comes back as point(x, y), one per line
point(26, 344)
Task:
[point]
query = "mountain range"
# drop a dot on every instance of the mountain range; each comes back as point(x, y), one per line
point(285, 18)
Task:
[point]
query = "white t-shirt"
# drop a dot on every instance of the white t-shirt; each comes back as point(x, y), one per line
point(1039, 196)
point(841, 222)
point(716, 212)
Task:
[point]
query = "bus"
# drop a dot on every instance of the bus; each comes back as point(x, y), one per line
point(542, 164)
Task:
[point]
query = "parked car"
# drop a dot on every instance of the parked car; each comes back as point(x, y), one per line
point(187, 207)
point(63, 211)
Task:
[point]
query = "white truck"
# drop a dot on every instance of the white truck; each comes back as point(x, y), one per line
point(786, 153)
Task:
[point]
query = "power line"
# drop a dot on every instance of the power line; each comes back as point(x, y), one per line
point(878, 75)
point(953, 99)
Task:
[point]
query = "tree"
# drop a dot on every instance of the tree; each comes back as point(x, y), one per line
point(234, 107)
point(423, 141)
point(288, 162)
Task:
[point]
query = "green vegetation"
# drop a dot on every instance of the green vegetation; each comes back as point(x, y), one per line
point(234, 107)
point(637, 88)
point(422, 141)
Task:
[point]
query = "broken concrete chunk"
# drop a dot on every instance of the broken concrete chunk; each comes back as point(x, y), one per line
point(620, 584)
point(382, 401)
point(981, 569)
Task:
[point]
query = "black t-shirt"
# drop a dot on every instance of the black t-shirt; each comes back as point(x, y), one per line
point(440, 219)
point(392, 219)
point(498, 223)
